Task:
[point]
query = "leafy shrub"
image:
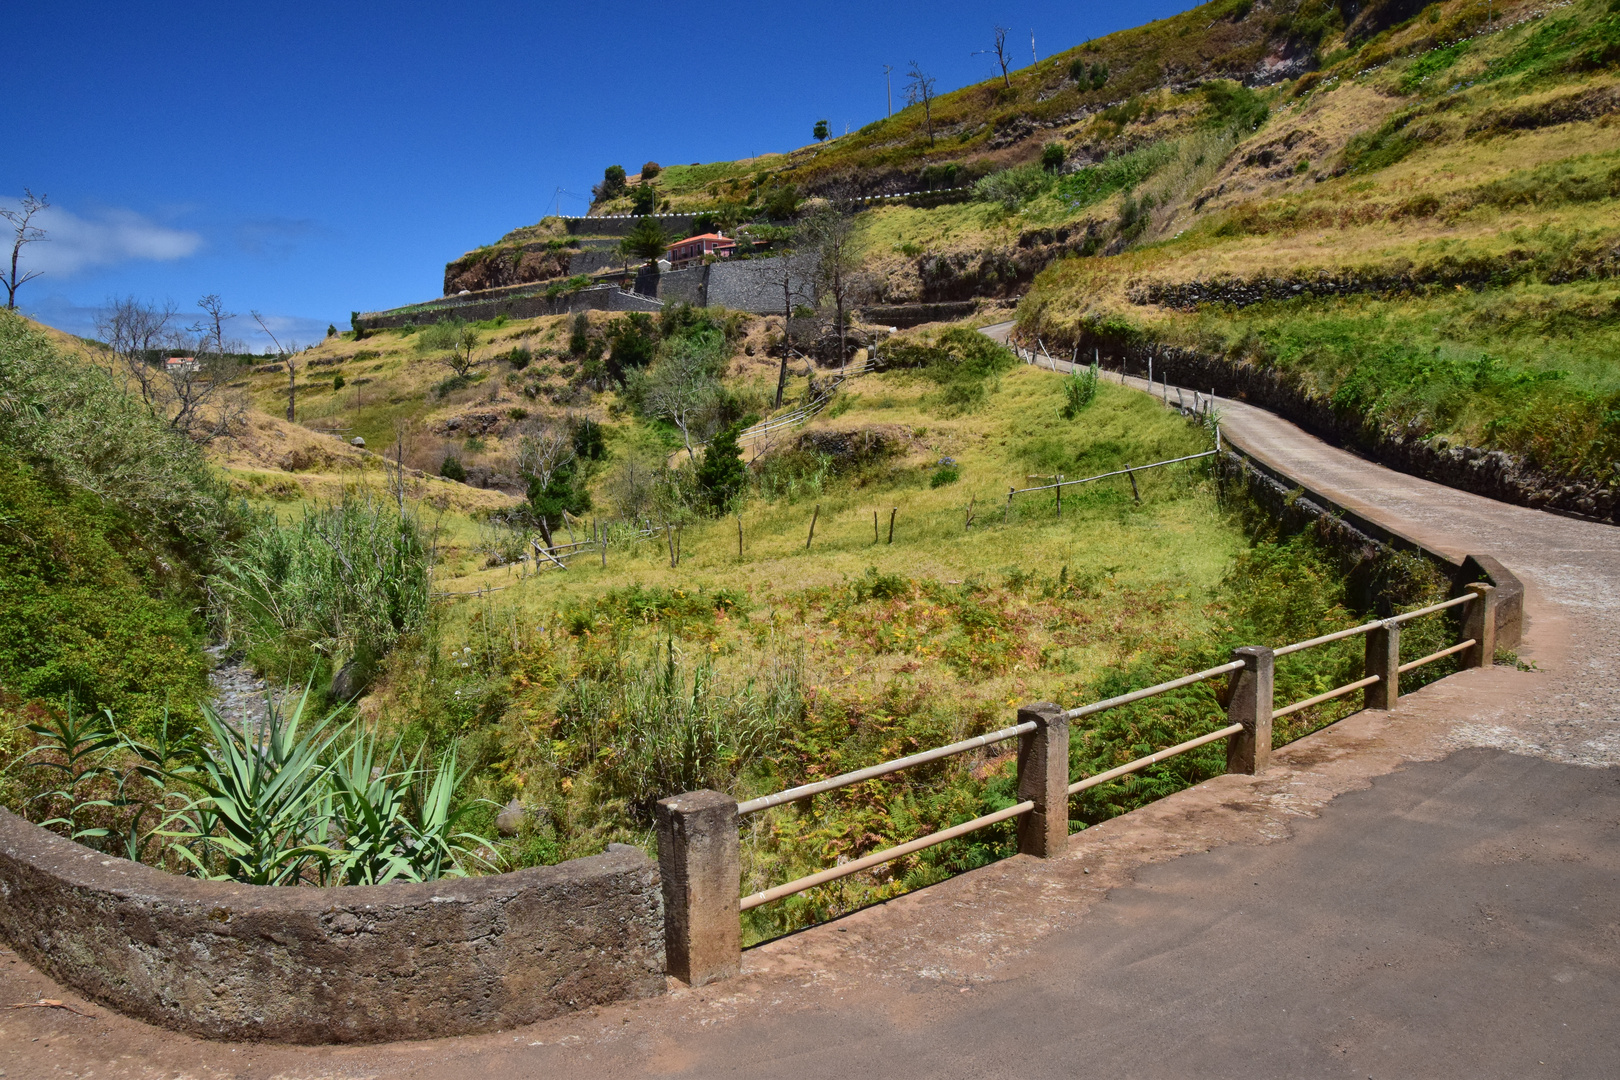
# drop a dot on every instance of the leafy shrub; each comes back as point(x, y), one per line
point(946, 472)
point(1079, 391)
point(722, 474)
point(781, 202)
point(337, 383)
point(643, 199)
point(651, 170)
point(641, 731)
point(1053, 154)
point(1012, 188)
point(519, 357)
point(879, 586)
point(452, 469)
point(632, 344)
point(613, 183)
point(1231, 104)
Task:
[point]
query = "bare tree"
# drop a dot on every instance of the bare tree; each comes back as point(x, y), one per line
point(25, 233)
point(797, 281)
point(830, 233)
point(1000, 53)
point(137, 333)
point(188, 391)
point(920, 90)
point(543, 449)
point(292, 369)
point(681, 386)
point(460, 358)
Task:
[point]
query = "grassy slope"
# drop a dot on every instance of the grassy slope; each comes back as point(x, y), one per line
point(1495, 346)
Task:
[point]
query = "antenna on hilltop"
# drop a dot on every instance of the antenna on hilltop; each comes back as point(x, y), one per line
point(1033, 58)
point(889, 86)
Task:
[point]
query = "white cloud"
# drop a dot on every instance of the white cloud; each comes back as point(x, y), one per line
point(73, 243)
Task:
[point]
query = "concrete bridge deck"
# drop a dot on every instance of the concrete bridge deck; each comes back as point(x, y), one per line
point(1432, 892)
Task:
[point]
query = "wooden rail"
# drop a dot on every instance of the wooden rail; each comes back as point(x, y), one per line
point(698, 840)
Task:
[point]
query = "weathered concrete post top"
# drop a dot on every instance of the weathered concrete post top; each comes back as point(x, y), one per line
point(1384, 661)
point(1479, 623)
point(701, 867)
point(1043, 777)
point(1249, 703)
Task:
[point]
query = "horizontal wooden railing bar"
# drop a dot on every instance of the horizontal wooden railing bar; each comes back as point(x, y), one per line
point(1432, 608)
point(1153, 758)
point(1116, 472)
point(1442, 654)
point(1347, 688)
point(881, 857)
point(805, 791)
point(1325, 638)
point(1151, 691)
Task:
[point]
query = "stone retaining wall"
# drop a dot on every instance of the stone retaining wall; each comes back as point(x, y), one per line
point(514, 305)
point(357, 964)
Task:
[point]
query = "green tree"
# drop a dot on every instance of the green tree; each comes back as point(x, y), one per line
point(821, 131)
point(721, 475)
point(647, 240)
point(550, 495)
point(612, 185)
point(643, 199)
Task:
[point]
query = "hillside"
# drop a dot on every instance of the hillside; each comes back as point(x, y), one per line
point(1395, 224)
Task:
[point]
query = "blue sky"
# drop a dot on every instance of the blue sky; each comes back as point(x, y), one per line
point(308, 160)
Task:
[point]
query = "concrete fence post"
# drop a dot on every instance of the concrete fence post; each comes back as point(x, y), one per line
point(1384, 661)
point(701, 869)
point(1043, 778)
point(1479, 623)
point(1249, 703)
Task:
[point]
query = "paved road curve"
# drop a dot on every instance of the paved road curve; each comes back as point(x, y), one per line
point(1433, 892)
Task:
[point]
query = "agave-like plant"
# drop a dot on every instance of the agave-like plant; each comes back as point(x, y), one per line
point(82, 742)
point(437, 849)
point(258, 818)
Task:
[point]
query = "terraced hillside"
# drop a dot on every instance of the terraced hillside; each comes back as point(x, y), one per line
point(1395, 224)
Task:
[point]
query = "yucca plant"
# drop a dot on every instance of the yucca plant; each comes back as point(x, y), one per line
point(259, 815)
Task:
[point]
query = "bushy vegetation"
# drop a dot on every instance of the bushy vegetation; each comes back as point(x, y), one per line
point(107, 518)
point(338, 587)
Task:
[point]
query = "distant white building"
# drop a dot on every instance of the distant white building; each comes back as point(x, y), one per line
point(181, 365)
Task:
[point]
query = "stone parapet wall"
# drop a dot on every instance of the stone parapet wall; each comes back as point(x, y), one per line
point(1361, 538)
point(356, 964)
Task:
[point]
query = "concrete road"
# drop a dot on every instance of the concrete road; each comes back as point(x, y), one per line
point(1433, 892)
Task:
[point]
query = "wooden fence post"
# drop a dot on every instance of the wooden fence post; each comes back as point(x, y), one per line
point(1043, 777)
point(1384, 661)
point(1249, 703)
point(700, 865)
point(812, 535)
point(1479, 623)
point(893, 510)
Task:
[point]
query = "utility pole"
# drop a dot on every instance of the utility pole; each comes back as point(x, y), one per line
point(1032, 57)
point(889, 86)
